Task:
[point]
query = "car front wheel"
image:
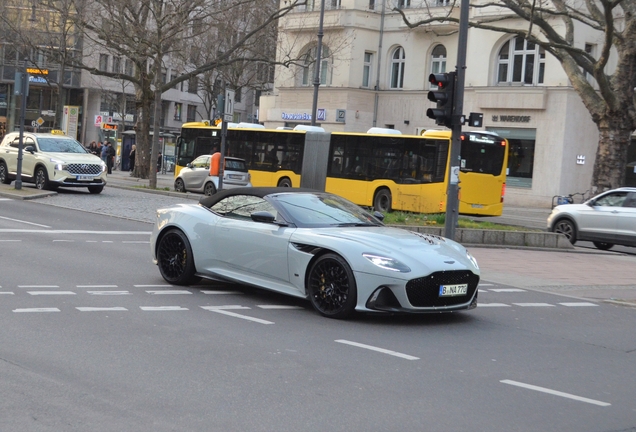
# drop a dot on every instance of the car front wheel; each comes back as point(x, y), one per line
point(603, 245)
point(175, 258)
point(4, 174)
point(179, 186)
point(566, 228)
point(209, 189)
point(332, 287)
point(41, 179)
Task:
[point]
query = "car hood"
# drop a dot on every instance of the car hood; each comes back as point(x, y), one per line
point(74, 157)
point(416, 250)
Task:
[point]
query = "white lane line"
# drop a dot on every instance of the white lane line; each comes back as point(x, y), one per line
point(152, 286)
point(486, 284)
point(64, 241)
point(221, 292)
point(108, 292)
point(533, 304)
point(278, 307)
point(555, 392)
point(26, 231)
point(577, 304)
point(381, 350)
point(132, 242)
point(163, 308)
point(101, 309)
point(95, 286)
point(91, 241)
point(7, 241)
point(107, 241)
point(51, 293)
point(492, 305)
point(38, 286)
point(169, 292)
point(24, 222)
point(36, 310)
point(507, 290)
point(224, 310)
point(7, 292)
point(5, 199)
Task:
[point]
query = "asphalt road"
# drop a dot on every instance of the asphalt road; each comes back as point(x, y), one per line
point(94, 339)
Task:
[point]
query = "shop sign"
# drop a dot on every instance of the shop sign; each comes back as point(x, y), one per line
point(511, 118)
point(321, 115)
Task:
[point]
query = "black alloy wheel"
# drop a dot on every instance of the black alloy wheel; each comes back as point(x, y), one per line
point(603, 245)
point(285, 182)
point(41, 179)
point(175, 259)
point(332, 287)
point(565, 227)
point(382, 201)
point(4, 174)
point(209, 189)
point(179, 186)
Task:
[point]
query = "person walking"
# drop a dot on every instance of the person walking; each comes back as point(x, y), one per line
point(159, 160)
point(133, 153)
point(110, 157)
point(104, 153)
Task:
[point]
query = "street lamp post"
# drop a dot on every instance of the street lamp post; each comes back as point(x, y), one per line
point(314, 107)
point(24, 91)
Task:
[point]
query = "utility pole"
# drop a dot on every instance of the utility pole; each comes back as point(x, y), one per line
point(24, 92)
point(314, 106)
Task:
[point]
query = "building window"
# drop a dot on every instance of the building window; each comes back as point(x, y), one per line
point(397, 68)
point(520, 155)
point(308, 71)
point(438, 61)
point(177, 111)
point(128, 67)
point(192, 113)
point(103, 62)
point(521, 62)
point(371, 4)
point(403, 4)
point(237, 95)
point(257, 97)
point(193, 85)
point(116, 64)
point(366, 69)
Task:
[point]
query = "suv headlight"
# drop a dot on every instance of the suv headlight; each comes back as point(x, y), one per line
point(387, 263)
point(59, 165)
point(472, 259)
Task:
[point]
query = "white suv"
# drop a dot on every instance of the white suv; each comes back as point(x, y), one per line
point(50, 160)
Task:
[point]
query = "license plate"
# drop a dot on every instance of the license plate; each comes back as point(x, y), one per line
point(84, 178)
point(453, 290)
point(236, 176)
point(477, 206)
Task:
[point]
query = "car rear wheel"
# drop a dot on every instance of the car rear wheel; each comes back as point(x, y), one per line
point(332, 287)
point(566, 227)
point(382, 201)
point(209, 189)
point(175, 259)
point(179, 186)
point(603, 245)
point(41, 179)
point(4, 174)
point(285, 183)
point(95, 189)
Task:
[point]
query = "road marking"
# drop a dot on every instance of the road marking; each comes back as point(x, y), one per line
point(7, 241)
point(492, 305)
point(486, 284)
point(108, 292)
point(24, 222)
point(64, 241)
point(224, 310)
point(482, 291)
point(26, 231)
point(51, 293)
point(533, 304)
point(5, 199)
point(6, 292)
point(38, 286)
point(555, 392)
point(278, 307)
point(220, 292)
point(163, 308)
point(107, 241)
point(507, 290)
point(132, 242)
point(381, 350)
point(152, 286)
point(169, 292)
point(100, 309)
point(577, 304)
point(36, 310)
point(95, 286)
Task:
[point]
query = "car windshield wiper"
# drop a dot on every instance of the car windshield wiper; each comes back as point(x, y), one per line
point(356, 224)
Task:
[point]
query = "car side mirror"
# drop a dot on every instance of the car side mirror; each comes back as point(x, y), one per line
point(263, 216)
point(30, 149)
point(379, 216)
point(589, 203)
point(188, 165)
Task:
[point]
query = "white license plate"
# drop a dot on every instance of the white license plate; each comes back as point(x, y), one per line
point(236, 176)
point(84, 178)
point(453, 290)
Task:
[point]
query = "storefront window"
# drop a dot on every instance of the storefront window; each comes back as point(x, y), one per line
point(520, 155)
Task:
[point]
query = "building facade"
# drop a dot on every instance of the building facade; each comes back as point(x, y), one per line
point(374, 72)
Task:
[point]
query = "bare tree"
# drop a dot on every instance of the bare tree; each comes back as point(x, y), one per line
point(552, 25)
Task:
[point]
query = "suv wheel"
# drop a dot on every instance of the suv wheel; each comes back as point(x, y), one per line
point(4, 174)
point(41, 179)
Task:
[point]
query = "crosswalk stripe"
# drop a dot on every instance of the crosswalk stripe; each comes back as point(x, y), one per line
point(577, 304)
point(533, 304)
point(35, 293)
point(36, 310)
point(108, 292)
point(492, 305)
point(100, 309)
point(168, 292)
point(162, 308)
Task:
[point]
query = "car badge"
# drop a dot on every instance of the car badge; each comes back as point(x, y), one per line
point(84, 166)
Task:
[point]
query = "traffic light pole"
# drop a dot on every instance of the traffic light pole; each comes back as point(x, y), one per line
point(452, 198)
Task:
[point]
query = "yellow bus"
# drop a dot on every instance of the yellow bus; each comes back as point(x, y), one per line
point(384, 169)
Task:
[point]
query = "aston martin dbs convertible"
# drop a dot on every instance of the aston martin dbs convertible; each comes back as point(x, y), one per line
point(313, 245)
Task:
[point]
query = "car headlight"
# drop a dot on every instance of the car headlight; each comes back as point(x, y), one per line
point(472, 259)
point(59, 165)
point(387, 263)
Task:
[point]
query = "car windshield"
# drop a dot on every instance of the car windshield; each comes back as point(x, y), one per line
point(321, 210)
point(60, 145)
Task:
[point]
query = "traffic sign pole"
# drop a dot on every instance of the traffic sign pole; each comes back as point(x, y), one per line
point(24, 91)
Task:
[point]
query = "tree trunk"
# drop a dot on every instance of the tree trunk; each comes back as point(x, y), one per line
point(142, 133)
point(611, 155)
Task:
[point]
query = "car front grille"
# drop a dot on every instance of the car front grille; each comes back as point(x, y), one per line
point(84, 169)
point(424, 292)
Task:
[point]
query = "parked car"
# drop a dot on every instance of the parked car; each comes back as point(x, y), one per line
point(313, 245)
point(195, 177)
point(51, 160)
point(607, 219)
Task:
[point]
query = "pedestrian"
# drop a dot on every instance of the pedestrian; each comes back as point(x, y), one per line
point(92, 147)
point(104, 153)
point(133, 153)
point(110, 157)
point(159, 160)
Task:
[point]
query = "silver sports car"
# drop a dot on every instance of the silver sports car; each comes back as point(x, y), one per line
point(313, 245)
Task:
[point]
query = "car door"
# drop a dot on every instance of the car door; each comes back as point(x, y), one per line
point(600, 222)
point(194, 177)
point(626, 220)
point(10, 155)
point(29, 159)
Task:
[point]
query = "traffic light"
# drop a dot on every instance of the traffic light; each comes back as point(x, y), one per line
point(444, 96)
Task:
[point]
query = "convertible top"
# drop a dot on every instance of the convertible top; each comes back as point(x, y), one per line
point(209, 201)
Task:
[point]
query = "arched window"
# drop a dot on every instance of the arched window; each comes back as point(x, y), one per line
point(307, 68)
point(438, 61)
point(521, 62)
point(397, 68)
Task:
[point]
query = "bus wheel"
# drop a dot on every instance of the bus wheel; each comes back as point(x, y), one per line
point(284, 182)
point(382, 201)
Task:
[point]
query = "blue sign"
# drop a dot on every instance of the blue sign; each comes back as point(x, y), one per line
point(321, 115)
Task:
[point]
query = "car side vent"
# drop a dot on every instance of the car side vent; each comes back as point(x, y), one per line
point(430, 238)
point(307, 248)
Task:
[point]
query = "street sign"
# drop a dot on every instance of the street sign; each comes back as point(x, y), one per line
point(229, 106)
point(98, 120)
point(34, 124)
point(40, 121)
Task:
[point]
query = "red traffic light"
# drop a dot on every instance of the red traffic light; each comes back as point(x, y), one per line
point(442, 81)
